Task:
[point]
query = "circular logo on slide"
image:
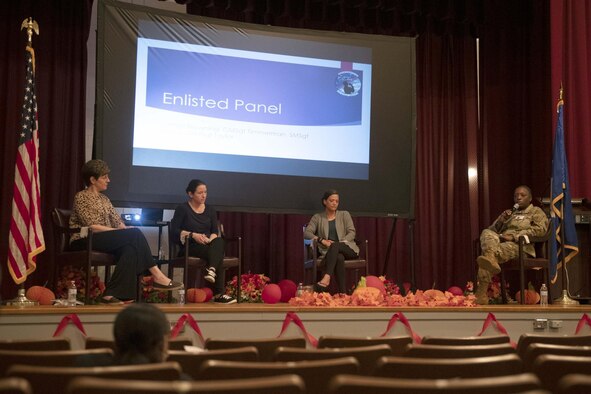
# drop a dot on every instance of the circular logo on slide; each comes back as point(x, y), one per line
point(348, 83)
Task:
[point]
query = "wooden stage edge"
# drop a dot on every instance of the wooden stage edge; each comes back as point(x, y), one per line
point(248, 320)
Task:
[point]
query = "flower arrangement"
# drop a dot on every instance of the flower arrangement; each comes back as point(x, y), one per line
point(374, 291)
point(71, 273)
point(251, 287)
point(495, 289)
point(150, 295)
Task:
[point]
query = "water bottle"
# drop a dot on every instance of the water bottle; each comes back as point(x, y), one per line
point(543, 295)
point(181, 297)
point(72, 293)
point(300, 290)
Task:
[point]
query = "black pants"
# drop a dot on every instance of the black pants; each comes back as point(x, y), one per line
point(213, 253)
point(133, 256)
point(334, 261)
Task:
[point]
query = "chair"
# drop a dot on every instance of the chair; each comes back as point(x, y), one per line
point(397, 344)
point(101, 343)
point(535, 350)
point(86, 259)
point(574, 384)
point(446, 368)
point(61, 358)
point(550, 368)
point(35, 344)
point(457, 351)
point(314, 263)
point(367, 356)
point(569, 340)
point(316, 374)
point(55, 379)
point(185, 261)
point(266, 346)
point(352, 384)
point(191, 362)
point(524, 261)
point(15, 386)
point(284, 384)
point(465, 341)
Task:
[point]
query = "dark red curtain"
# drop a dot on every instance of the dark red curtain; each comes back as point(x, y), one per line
point(571, 63)
point(60, 51)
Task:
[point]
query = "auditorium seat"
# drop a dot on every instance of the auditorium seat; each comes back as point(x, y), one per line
point(464, 341)
point(284, 384)
point(397, 343)
point(35, 344)
point(191, 362)
point(353, 384)
point(61, 358)
point(265, 346)
point(46, 380)
point(445, 368)
point(550, 368)
point(574, 384)
point(534, 350)
point(367, 356)
point(316, 374)
point(570, 340)
point(457, 351)
point(15, 386)
point(101, 343)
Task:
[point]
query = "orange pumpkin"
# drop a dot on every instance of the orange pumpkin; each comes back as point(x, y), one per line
point(190, 295)
point(532, 297)
point(434, 293)
point(41, 294)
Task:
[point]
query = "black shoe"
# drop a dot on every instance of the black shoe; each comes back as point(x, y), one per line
point(172, 285)
point(224, 299)
point(111, 301)
point(318, 288)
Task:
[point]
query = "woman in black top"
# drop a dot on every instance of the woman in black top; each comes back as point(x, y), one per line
point(199, 221)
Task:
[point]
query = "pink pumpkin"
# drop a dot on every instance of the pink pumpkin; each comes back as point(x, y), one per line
point(375, 282)
point(455, 290)
point(288, 289)
point(208, 293)
point(271, 294)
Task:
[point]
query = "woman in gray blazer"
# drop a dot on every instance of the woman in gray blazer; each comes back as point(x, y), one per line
point(334, 232)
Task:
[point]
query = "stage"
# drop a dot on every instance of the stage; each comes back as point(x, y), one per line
point(249, 320)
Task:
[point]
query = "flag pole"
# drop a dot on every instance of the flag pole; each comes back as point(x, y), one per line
point(21, 299)
point(564, 299)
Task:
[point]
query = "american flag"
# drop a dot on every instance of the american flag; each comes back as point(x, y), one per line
point(25, 240)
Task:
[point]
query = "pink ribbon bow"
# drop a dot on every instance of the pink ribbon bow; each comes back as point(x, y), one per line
point(65, 320)
point(186, 318)
point(400, 317)
point(291, 317)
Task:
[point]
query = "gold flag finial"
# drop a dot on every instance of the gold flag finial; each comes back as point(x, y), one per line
point(31, 26)
point(560, 101)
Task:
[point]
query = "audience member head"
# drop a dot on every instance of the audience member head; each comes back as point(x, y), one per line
point(141, 335)
point(94, 168)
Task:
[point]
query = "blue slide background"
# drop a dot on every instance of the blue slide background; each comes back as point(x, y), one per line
point(307, 93)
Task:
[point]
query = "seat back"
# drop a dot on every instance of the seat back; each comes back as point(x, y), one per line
point(316, 374)
point(55, 379)
point(550, 368)
point(61, 358)
point(191, 362)
point(61, 222)
point(465, 341)
point(35, 344)
point(266, 346)
point(397, 344)
point(101, 343)
point(284, 384)
point(574, 384)
point(446, 368)
point(570, 340)
point(367, 356)
point(351, 384)
point(534, 350)
point(15, 386)
point(457, 351)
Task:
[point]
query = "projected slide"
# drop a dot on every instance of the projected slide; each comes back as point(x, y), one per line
point(220, 109)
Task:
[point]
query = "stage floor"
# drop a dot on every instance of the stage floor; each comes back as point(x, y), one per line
point(262, 321)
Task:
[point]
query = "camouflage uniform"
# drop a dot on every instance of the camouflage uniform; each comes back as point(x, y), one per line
point(531, 221)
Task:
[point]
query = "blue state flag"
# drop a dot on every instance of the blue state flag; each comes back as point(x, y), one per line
point(563, 242)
